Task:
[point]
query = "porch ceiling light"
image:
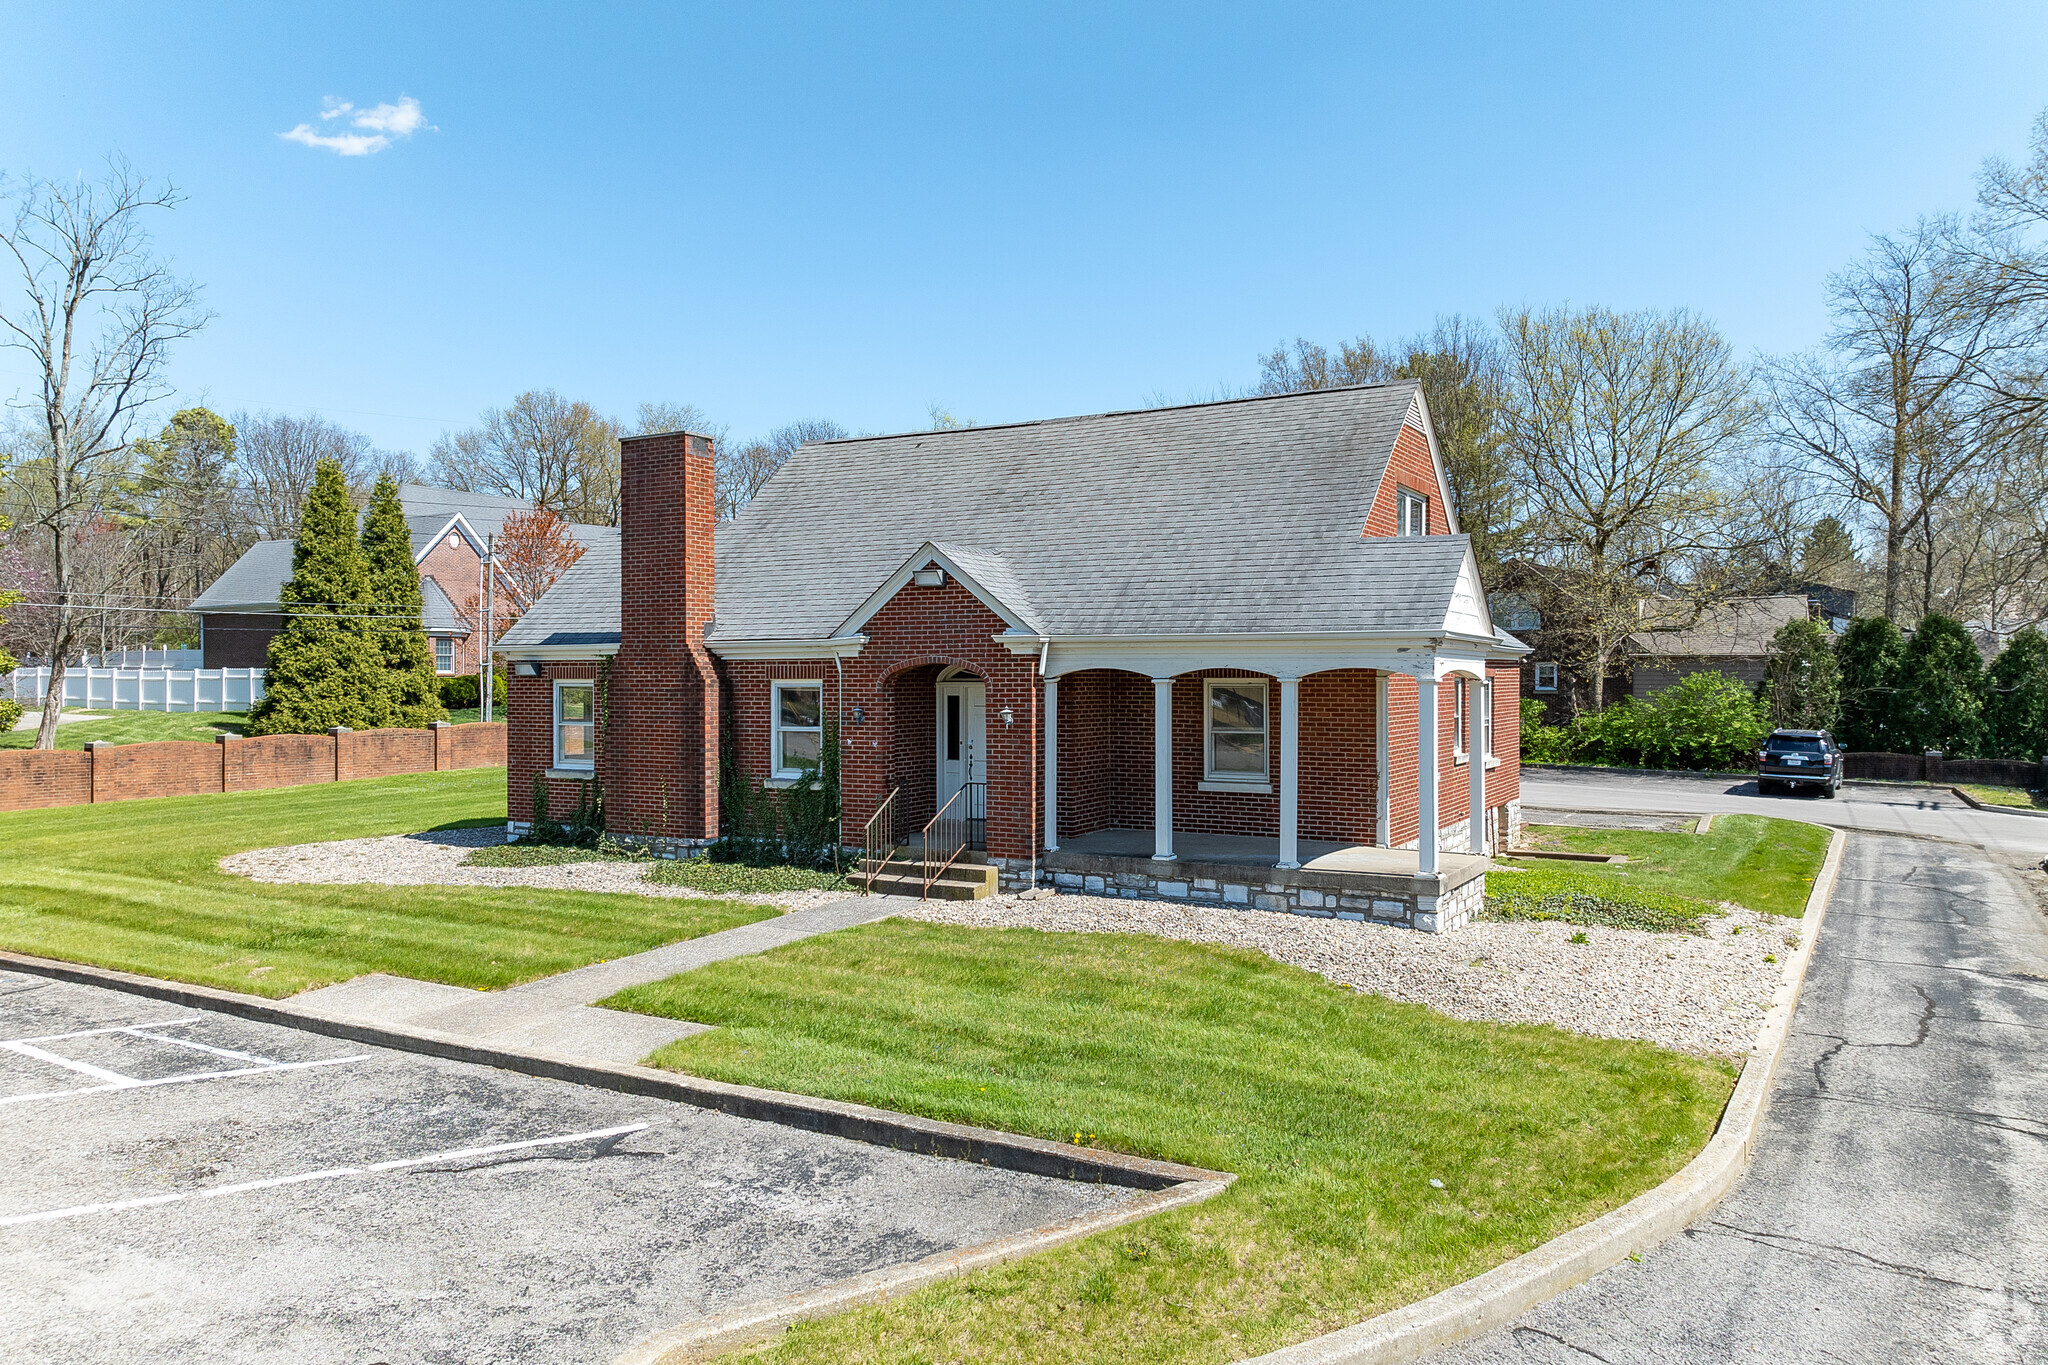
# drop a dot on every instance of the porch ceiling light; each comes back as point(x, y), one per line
point(930, 576)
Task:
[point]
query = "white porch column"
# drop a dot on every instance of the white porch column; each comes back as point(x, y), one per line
point(1290, 766)
point(1425, 775)
point(1052, 764)
point(1475, 756)
point(1162, 769)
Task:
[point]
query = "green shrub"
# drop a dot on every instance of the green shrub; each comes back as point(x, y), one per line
point(462, 693)
point(1542, 742)
point(2016, 706)
point(325, 667)
point(742, 879)
point(1703, 721)
point(1802, 689)
point(10, 713)
point(1867, 657)
point(1939, 701)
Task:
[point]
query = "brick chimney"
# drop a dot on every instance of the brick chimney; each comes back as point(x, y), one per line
point(662, 775)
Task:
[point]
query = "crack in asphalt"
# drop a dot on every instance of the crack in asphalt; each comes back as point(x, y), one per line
point(1568, 1345)
point(2008, 1123)
point(2018, 978)
point(1926, 1024)
point(1801, 1246)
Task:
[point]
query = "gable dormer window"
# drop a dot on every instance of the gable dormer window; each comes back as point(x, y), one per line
point(1414, 513)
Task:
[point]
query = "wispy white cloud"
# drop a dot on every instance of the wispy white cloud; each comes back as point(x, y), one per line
point(380, 126)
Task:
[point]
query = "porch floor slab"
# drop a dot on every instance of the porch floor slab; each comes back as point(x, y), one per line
point(1335, 861)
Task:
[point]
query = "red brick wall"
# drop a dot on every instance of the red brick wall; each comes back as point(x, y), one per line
point(1503, 784)
point(236, 639)
point(530, 740)
point(130, 772)
point(1408, 467)
point(665, 688)
point(33, 778)
point(459, 571)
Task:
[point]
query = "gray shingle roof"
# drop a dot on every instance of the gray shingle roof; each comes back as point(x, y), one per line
point(1742, 628)
point(1224, 517)
point(582, 608)
point(437, 614)
point(252, 582)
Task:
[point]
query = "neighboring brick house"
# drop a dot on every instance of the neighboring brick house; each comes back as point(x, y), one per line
point(239, 614)
point(1233, 651)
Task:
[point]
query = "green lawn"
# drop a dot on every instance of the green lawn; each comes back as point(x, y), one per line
point(1764, 864)
point(1338, 1111)
point(2008, 796)
point(133, 885)
point(136, 727)
point(141, 727)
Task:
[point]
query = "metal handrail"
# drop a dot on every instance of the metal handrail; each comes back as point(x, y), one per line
point(946, 834)
point(878, 840)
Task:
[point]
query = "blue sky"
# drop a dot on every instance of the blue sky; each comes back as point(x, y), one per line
point(855, 212)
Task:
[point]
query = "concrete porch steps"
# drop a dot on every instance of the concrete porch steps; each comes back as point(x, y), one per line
point(904, 874)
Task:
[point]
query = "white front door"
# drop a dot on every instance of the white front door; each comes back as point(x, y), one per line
point(963, 736)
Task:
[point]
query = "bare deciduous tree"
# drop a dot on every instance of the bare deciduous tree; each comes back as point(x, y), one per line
point(99, 313)
point(748, 465)
point(1894, 414)
point(544, 448)
point(1618, 421)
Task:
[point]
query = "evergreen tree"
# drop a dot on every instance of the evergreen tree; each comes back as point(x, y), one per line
point(2016, 707)
point(1939, 701)
point(412, 693)
point(1803, 688)
point(325, 668)
point(1867, 657)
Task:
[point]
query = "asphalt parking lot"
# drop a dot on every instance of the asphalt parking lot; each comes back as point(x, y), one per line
point(187, 1186)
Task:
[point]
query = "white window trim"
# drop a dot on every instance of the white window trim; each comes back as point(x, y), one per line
point(561, 765)
point(1458, 719)
point(439, 671)
point(1536, 673)
point(787, 775)
point(1260, 782)
point(1405, 498)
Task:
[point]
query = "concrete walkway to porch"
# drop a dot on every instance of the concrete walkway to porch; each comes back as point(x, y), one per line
point(557, 1013)
point(1238, 850)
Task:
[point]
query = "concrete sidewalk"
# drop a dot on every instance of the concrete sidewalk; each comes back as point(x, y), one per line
point(555, 1014)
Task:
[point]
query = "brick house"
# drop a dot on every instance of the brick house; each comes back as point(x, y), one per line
point(239, 613)
point(1234, 651)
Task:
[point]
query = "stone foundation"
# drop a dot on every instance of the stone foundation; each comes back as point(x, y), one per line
point(1423, 903)
point(658, 845)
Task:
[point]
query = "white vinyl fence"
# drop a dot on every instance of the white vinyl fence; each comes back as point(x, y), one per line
point(148, 658)
point(142, 689)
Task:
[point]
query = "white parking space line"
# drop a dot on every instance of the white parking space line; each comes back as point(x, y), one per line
point(337, 1173)
point(138, 1031)
point(130, 1084)
point(115, 1079)
point(95, 1032)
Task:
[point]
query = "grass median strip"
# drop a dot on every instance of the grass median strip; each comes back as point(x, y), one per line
point(742, 879)
point(133, 885)
point(2018, 797)
point(1384, 1151)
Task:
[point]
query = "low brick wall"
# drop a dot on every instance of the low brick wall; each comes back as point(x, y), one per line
point(31, 779)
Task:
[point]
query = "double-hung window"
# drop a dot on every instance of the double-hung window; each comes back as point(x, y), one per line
point(799, 728)
point(1458, 717)
point(1235, 741)
point(575, 724)
point(1546, 677)
point(1414, 513)
point(1462, 696)
point(444, 654)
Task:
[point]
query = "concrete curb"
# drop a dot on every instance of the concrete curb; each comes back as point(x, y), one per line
point(1501, 1295)
point(1996, 809)
point(714, 1336)
point(857, 1122)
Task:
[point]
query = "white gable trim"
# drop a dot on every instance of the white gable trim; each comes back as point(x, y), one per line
point(455, 523)
point(928, 553)
point(1467, 614)
point(1419, 418)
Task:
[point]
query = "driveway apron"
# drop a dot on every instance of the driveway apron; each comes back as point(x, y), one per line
point(1897, 1207)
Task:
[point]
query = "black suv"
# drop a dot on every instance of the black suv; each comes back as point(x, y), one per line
point(1791, 759)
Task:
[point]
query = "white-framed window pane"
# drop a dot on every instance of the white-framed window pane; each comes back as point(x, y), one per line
point(1236, 721)
point(1486, 715)
point(1238, 752)
point(444, 654)
point(1546, 677)
point(1237, 706)
point(799, 749)
point(575, 725)
point(801, 707)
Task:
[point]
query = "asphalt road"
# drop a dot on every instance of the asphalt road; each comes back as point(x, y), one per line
point(1922, 812)
point(185, 1186)
point(1897, 1207)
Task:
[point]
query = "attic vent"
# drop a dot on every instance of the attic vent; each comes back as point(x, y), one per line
point(930, 576)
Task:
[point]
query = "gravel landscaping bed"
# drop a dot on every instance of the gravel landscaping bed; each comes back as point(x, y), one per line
point(435, 859)
point(1704, 994)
